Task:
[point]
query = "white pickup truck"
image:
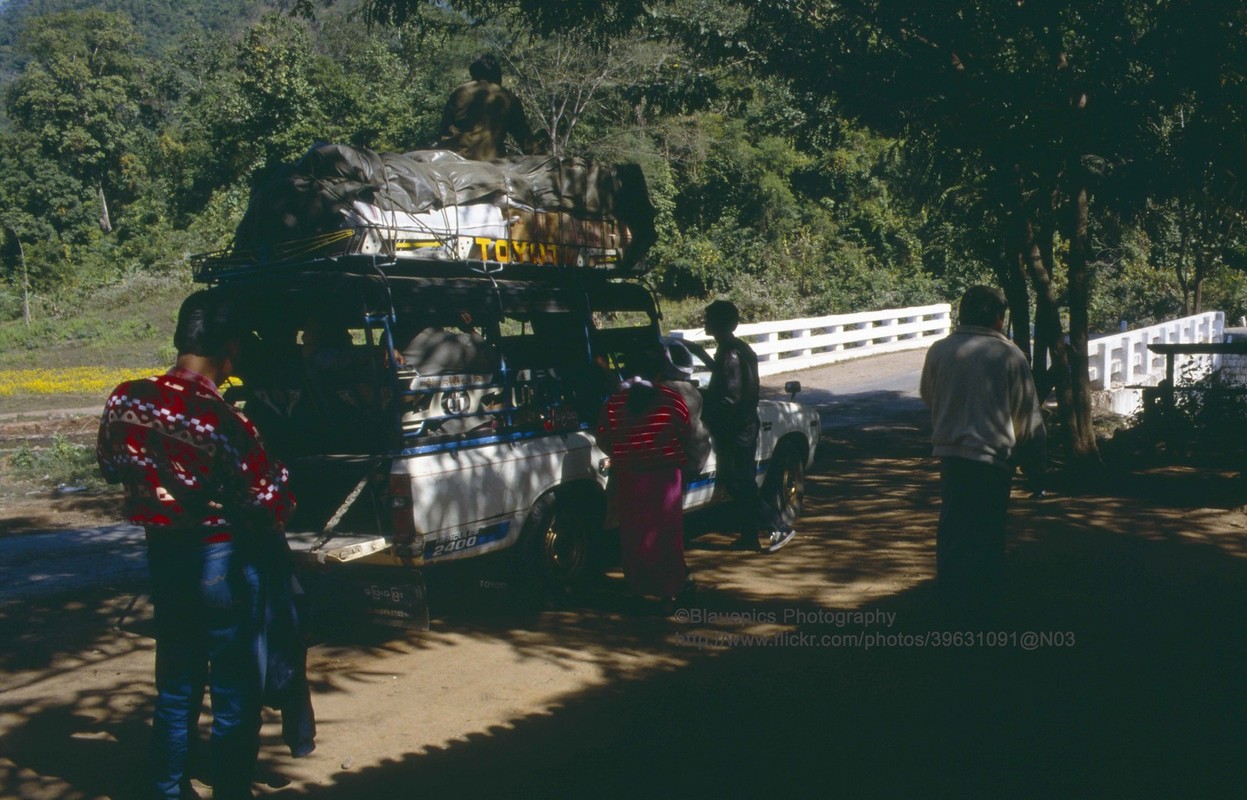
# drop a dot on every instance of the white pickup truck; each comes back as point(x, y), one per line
point(403, 459)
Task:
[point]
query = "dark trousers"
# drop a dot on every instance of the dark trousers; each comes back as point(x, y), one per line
point(970, 543)
point(285, 681)
point(736, 467)
point(208, 631)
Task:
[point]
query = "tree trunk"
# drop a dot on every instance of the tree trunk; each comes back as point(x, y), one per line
point(1019, 305)
point(1048, 338)
point(21, 252)
point(1201, 270)
point(1038, 353)
point(1083, 450)
point(1184, 241)
point(1080, 432)
point(1197, 295)
point(106, 223)
point(1062, 376)
point(1024, 250)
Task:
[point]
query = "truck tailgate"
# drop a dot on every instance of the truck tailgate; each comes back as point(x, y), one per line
point(308, 546)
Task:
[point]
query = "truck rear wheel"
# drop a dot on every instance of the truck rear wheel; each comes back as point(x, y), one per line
point(554, 548)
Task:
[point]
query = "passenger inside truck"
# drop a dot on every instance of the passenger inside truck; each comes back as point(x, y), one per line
point(263, 393)
point(324, 343)
point(439, 350)
point(448, 373)
point(564, 337)
point(337, 367)
point(338, 385)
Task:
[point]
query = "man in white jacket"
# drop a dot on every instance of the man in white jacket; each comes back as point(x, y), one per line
point(984, 412)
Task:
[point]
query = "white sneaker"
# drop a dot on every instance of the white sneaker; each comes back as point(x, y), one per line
point(780, 538)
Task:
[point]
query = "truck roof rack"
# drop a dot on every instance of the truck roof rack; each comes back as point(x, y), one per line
point(226, 266)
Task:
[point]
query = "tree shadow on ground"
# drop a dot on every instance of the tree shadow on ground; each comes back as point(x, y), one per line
point(48, 510)
point(1114, 671)
point(1112, 666)
point(54, 636)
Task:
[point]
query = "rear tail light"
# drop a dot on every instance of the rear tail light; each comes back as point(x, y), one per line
point(401, 521)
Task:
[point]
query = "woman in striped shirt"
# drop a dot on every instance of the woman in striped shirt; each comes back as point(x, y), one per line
point(646, 430)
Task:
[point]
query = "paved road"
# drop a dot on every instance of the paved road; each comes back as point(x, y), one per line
point(36, 565)
point(860, 392)
point(848, 394)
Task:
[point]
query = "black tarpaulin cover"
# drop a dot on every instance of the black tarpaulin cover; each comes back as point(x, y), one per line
point(435, 204)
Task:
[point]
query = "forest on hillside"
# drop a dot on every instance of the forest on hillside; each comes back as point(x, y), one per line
point(804, 157)
point(158, 22)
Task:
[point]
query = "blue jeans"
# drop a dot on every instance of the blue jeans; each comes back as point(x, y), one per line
point(207, 631)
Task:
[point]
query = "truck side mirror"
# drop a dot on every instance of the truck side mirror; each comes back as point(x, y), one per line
point(792, 387)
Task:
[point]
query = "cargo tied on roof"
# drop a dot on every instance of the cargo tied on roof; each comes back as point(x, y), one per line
point(434, 205)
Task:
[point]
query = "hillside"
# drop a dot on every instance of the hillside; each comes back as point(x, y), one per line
point(71, 361)
point(161, 22)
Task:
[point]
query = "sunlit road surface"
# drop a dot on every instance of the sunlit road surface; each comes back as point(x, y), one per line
point(858, 392)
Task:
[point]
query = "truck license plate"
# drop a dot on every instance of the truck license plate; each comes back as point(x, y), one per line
point(394, 597)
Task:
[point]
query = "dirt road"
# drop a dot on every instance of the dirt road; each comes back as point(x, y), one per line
point(1113, 670)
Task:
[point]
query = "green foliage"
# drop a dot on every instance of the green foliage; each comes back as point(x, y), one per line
point(38, 197)
point(783, 231)
point(1217, 417)
point(23, 458)
point(583, 100)
point(541, 15)
point(1208, 423)
point(61, 463)
point(78, 96)
point(10, 305)
point(803, 158)
point(121, 321)
point(276, 111)
point(1133, 283)
point(158, 22)
point(1227, 291)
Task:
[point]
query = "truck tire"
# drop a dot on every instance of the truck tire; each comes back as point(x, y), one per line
point(555, 542)
point(784, 486)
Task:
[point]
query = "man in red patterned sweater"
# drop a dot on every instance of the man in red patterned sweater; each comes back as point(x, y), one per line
point(198, 479)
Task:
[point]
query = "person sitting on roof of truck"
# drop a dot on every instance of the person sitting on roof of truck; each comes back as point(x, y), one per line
point(480, 113)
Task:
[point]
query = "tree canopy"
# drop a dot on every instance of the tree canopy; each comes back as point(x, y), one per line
point(805, 157)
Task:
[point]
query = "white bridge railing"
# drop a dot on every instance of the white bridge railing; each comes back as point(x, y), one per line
point(794, 344)
point(1122, 360)
point(1118, 363)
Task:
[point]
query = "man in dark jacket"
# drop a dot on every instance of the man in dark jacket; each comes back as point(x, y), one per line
point(731, 411)
point(480, 113)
